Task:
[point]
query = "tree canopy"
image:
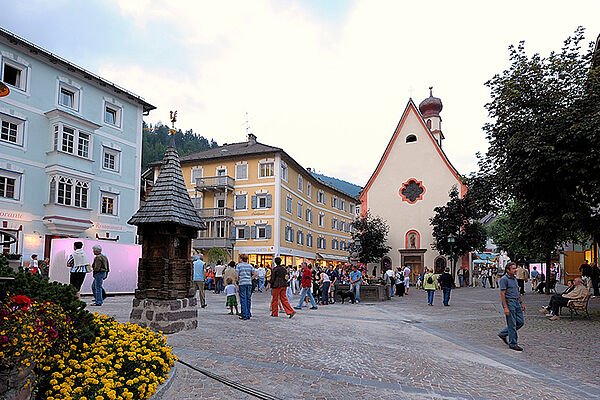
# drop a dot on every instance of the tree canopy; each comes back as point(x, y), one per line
point(155, 141)
point(541, 169)
point(460, 218)
point(372, 233)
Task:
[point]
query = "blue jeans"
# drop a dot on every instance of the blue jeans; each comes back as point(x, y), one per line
point(325, 293)
point(261, 283)
point(430, 293)
point(446, 291)
point(514, 321)
point(483, 280)
point(246, 300)
point(97, 286)
point(355, 288)
point(306, 292)
point(391, 290)
point(460, 281)
point(209, 283)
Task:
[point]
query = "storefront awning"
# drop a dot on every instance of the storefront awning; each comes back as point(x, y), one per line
point(332, 257)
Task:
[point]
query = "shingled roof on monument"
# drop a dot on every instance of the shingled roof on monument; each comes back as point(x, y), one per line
point(169, 202)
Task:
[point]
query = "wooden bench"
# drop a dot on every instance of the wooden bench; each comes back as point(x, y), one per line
point(579, 305)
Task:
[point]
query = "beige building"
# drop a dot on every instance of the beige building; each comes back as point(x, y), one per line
point(256, 199)
point(413, 177)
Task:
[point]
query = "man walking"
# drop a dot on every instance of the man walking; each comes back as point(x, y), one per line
point(261, 272)
point(245, 274)
point(355, 279)
point(445, 280)
point(198, 278)
point(513, 307)
point(100, 269)
point(306, 284)
point(279, 286)
point(534, 279)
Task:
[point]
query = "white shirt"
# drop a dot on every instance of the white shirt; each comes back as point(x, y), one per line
point(219, 271)
point(230, 290)
point(406, 272)
point(261, 272)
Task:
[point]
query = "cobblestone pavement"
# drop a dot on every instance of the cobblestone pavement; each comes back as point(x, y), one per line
point(398, 349)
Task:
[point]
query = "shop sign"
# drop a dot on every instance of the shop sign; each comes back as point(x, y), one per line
point(108, 227)
point(16, 215)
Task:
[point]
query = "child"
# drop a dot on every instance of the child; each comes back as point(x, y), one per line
point(230, 292)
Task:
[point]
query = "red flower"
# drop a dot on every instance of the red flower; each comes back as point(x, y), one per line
point(21, 301)
point(3, 339)
point(52, 334)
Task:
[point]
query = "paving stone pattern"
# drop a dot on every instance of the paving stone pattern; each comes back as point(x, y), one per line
point(398, 349)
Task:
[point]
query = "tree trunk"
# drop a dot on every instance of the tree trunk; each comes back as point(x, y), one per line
point(548, 264)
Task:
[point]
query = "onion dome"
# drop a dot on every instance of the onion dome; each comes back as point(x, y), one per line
point(431, 106)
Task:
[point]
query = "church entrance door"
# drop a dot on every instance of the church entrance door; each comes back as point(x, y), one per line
point(414, 258)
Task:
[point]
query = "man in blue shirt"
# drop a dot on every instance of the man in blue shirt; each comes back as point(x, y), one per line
point(355, 279)
point(198, 278)
point(245, 273)
point(513, 307)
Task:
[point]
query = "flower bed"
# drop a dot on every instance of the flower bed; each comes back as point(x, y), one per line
point(69, 353)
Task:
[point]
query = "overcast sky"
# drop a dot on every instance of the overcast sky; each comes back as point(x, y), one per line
point(325, 80)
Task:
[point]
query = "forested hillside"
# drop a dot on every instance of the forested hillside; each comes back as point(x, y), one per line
point(156, 139)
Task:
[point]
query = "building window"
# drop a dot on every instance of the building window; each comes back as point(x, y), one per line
point(240, 202)
point(81, 194)
point(342, 226)
point(300, 210)
point(411, 139)
point(108, 203)
point(289, 234)
point(284, 171)
point(300, 238)
point(309, 216)
point(321, 197)
point(7, 187)
point(69, 192)
point(111, 159)
point(342, 245)
point(334, 202)
point(321, 219)
point(112, 114)
point(197, 173)
point(263, 200)
point(240, 233)
point(300, 184)
point(321, 243)
point(11, 130)
point(288, 203)
point(351, 209)
point(83, 146)
point(309, 240)
point(308, 189)
point(265, 170)
point(68, 97)
point(334, 244)
point(72, 141)
point(14, 74)
point(241, 171)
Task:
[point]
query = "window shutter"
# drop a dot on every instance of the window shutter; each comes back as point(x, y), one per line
point(307, 210)
point(291, 234)
point(233, 233)
point(246, 232)
point(269, 201)
point(254, 202)
point(268, 231)
point(240, 202)
point(253, 232)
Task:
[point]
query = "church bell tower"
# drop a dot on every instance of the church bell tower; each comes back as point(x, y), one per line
point(430, 109)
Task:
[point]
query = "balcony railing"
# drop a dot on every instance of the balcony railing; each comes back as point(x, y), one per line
point(215, 183)
point(210, 242)
point(207, 213)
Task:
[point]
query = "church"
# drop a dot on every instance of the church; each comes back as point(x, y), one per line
point(413, 176)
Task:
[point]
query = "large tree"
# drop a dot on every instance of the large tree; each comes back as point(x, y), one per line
point(542, 166)
point(372, 233)
point(460, 218)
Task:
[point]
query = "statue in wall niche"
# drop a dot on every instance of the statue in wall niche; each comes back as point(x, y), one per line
point(412, 240)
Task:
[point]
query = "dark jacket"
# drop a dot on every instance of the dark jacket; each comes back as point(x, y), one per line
point(278, 277)
point(445, 280)
point(100, 264)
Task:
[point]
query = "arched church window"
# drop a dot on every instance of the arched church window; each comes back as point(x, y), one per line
point(411, 138)
point(429, 123)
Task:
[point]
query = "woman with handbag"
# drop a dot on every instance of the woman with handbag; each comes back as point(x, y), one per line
point(79, 264)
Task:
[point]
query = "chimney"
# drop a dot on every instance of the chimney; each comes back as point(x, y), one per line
point(251, 138)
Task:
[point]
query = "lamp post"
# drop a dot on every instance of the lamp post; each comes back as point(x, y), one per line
point(451, 239)
point(355, 252)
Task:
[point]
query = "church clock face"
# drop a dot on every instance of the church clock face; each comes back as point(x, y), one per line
point(412, 191)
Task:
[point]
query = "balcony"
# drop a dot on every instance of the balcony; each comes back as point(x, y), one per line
point(210, 242)
point(215, 183)
point(210, 213)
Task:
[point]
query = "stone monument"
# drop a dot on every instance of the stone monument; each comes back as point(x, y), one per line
point(167, 223)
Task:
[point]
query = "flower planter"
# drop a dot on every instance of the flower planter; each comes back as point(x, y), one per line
point(14, 264)
point(12, 383)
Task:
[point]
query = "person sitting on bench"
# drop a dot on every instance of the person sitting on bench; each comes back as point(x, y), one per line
point(557, 301)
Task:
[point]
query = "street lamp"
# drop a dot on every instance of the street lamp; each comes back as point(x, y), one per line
point(451, 239)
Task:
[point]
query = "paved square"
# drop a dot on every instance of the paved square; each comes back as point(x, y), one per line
point(399, 349)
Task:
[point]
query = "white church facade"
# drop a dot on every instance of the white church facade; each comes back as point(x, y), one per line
point(412, 177)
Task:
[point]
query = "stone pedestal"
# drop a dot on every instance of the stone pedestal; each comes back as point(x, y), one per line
point(368, 293)
point(168, 316)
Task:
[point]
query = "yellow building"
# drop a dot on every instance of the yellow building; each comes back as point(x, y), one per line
point(257, 200)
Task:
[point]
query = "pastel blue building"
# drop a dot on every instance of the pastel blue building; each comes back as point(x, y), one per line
point(70, 151)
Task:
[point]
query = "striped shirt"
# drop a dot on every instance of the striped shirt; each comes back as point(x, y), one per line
point(245, 272)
